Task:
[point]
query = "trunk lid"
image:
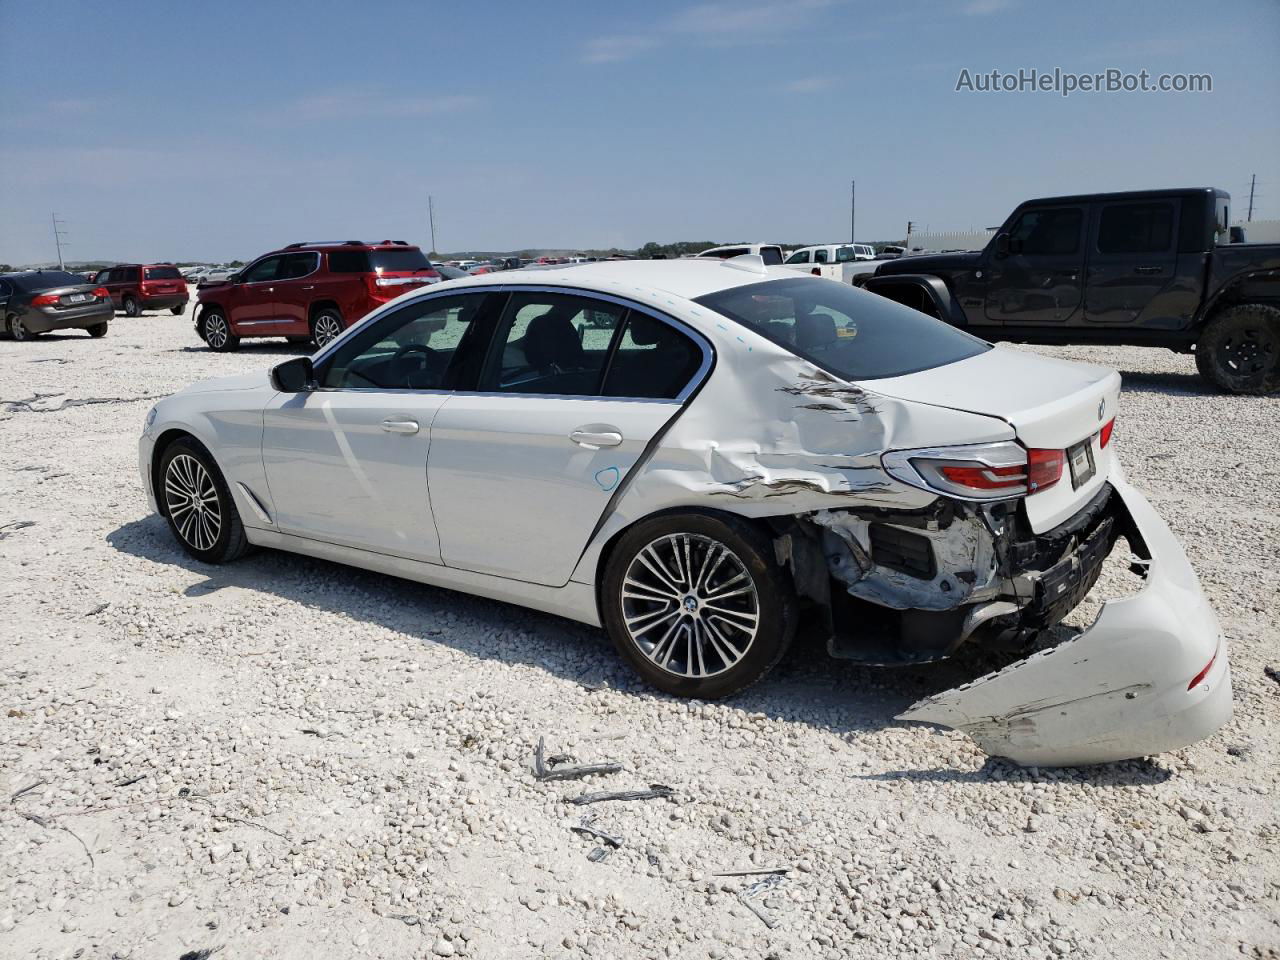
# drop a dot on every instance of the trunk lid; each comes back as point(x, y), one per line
point(1050, 403)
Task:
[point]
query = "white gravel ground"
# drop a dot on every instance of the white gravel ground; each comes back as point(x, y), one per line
point(290, 758)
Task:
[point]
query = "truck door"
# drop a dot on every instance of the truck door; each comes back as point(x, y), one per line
point(1038, 280)
point(1133, 259)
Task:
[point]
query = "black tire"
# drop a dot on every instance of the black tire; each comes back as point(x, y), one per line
point(178, 310)
point(216, 331)
point(704, 634)
point(211, 532)
point(19, 330)
point(323, 329)
point(1239, 350)
point(97, 330)
point(131, 307)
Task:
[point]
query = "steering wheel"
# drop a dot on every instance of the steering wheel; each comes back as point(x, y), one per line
point(398, 358)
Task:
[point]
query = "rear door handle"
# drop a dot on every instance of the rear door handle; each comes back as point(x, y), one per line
point(309, 287)
point(592, 438)
point(1148, 270)
point(392, 425)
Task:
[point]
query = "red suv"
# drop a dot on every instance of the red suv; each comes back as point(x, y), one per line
point(308, 291)
point(135, 287)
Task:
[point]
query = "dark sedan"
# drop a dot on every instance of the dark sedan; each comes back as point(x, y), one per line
point(38, 301)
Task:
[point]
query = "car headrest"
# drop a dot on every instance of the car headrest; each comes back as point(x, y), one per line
point(815, 330)
point(552, 340)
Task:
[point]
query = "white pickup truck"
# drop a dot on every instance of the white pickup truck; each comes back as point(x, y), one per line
point(835, 261)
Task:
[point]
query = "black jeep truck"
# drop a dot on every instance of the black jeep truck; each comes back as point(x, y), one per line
point(1148, 268)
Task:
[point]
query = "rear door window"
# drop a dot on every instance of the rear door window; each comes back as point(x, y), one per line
point(820, 256)
point(1135, 228)
point(854, 334)
point(552, 343)
point(652, 360)
point(296, 265)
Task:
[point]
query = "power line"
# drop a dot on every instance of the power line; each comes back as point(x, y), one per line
point(59, 237)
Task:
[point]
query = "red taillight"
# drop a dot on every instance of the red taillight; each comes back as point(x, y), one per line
point(986, 478)
point(1195, 681)
point(1104, 435)
point(1044, 468)
point(45, 300)
point(102, 293)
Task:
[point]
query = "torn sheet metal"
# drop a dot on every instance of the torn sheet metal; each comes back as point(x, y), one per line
point(1121, 689)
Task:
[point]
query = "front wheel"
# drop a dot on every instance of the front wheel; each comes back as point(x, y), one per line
point(198, 505)
point(216, 332)
point(1239, 350)
point(698, 604)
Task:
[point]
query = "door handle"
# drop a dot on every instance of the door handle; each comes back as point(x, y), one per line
point(1148, 270)
point(271, 289)
point(592, 438)
point(309, 287)
point(400, 426)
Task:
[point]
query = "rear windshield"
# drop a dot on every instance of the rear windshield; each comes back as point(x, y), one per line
point(381, 261)
point(161, 273)
point(852, 333)
point(47, 280)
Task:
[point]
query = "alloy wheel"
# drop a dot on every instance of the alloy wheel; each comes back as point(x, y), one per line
point(215, 331)
point(17, 329)
point(192, 500)
point(327, 329)
point(690, 605)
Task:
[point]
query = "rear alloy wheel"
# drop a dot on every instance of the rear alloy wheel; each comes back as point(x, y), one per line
point(698, 604)
point(132, 308)
point(326, 326)
point(198, 505)
point(1239, 351)
point(19, 330)
point(97, 330)
point(216, 332)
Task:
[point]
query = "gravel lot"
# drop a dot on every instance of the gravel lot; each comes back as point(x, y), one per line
point(290, 758)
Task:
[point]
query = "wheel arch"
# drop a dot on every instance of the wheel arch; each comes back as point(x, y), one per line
point(318, 305)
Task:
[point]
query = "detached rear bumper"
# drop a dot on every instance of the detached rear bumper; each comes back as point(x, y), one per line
point(1122, 688)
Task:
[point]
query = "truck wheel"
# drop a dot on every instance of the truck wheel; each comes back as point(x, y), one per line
point(216, 332)
point(132, 308)
point(697, 603)
point(1239, 350)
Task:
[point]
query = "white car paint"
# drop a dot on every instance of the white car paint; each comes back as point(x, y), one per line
point(492, 495)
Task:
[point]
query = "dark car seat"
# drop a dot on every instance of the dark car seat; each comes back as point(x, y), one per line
point(551, 343)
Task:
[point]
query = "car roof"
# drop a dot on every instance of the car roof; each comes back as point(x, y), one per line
point(688, 278)
point(1127, 195)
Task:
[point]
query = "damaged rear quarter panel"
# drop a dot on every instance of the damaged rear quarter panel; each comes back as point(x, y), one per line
point(771, 435)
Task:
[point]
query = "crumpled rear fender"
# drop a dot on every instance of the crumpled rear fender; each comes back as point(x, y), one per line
point(1119, 690)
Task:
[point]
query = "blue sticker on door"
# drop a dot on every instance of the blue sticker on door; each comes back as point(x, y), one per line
point(608, 478)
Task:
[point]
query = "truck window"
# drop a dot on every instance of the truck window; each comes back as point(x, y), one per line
point(1135, 228)
point(845, 254)
point(800, 256)
point(772, 256)
point(1047, 232)
point(820, 256)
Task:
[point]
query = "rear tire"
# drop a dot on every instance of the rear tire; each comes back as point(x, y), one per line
point(216, 331)
point(698, 604)
point(1239, 350)
point(178, 310)
point(97, 330)
point(19, 330)
point(131, 307)
point(198, 505)
point(326, 326)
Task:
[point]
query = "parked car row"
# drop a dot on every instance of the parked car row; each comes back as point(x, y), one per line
point(37, 301)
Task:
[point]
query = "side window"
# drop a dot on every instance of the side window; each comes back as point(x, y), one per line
point(652, 360)
point(434, 344)
point(132, 274)
point(820, 256)
point(349, 261)
point(845, 254)
point(263, 270)
point(1135, 228)
point(551, 343)
point(297, 265)
point(800, 256)
point(1053, 232)
point(772, 256)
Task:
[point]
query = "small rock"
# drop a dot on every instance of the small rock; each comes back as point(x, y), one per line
point(443, 948)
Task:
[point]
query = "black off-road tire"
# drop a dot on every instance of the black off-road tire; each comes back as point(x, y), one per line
point(230, 541)
point(215, 330)
point(97, 330)
point(131, 307)
point(775, 601)
point(1239, 350)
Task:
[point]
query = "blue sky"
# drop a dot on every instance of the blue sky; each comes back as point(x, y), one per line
point(174, 130)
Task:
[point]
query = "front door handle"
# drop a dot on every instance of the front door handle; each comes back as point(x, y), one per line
point(309, 287)
point(593, 438)
point(392, 425)
point(1148, 270)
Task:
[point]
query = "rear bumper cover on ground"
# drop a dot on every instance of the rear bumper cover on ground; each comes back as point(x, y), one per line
point(1119, 690)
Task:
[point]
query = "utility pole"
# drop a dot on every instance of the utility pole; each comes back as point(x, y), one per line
point(1253, 182)
point(431, 215)
point(853, 211)
point(58, 235)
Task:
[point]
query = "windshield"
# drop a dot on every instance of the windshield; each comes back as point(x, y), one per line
point(161, 273)
point(852, 333)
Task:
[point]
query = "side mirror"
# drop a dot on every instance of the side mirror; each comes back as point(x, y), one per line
point(294, 376)
point(1002, 244)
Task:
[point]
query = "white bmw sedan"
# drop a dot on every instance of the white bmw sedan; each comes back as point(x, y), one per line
point(705, 457)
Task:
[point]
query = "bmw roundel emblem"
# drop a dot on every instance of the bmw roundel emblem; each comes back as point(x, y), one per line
point(1102, 408)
